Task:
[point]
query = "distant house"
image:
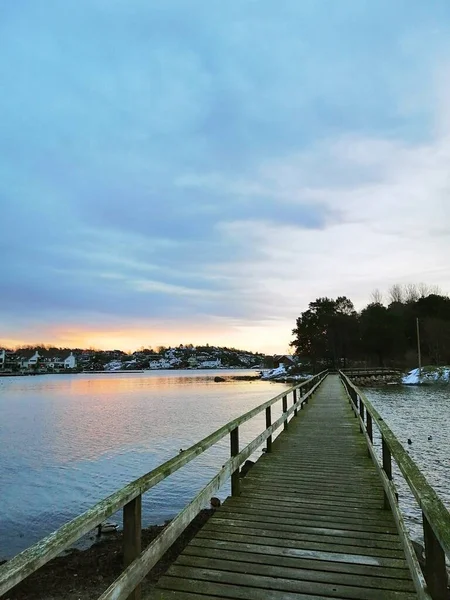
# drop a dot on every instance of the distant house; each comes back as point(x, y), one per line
point(70, 362)
point(210, 364)
point(161, 363)
point(283, 359)
point(29, 359)
point(46, 360)
point(2, 359)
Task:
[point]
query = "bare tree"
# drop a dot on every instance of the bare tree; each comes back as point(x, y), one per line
point(411, 292)
point(435, 289)
point(396, 293)
point(376, 296)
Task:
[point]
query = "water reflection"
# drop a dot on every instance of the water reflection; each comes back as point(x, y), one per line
point(66, 441)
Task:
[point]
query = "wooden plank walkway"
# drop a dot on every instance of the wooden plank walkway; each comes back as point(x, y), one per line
point(309, 522)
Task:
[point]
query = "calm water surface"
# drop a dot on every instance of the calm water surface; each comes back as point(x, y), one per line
point(67, 441)
point(418, 412)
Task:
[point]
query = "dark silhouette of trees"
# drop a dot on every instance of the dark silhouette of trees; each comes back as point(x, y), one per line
point(331, 333)
point(327, 332)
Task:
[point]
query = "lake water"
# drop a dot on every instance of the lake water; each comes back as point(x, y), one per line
point(418, 413)
point(67, 441)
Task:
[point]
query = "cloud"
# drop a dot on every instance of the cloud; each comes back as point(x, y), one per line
point(220, 163)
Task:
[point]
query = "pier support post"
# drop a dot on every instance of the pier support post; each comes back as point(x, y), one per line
point(294, 395)
point(435, 570)
point(132, 524)
point(234, 448)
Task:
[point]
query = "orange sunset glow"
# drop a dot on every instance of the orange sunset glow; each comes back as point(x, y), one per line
point(271, 338)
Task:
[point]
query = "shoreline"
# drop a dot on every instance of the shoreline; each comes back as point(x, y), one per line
point(86, 574)
point(127, 371)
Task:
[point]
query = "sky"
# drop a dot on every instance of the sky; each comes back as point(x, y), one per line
point(199, 171)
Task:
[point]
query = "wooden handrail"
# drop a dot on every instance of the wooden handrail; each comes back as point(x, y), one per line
point(129, 497)
point(436, 517)
point(374, 369)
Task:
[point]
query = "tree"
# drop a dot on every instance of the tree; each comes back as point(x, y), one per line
point(377, 331)
point(376, 296)
point(327, 331)
point(396, 293)
point(436, 340)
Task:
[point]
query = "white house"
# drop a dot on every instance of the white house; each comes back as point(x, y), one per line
point(45, 360)
point(32, 361)
point(162, 363)
point(210, 364)
point(70, 362)
point(2, 359)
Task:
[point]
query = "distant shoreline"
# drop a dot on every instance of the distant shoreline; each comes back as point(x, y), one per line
point(126, 371)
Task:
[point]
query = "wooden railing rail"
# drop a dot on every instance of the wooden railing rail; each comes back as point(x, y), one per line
point(435, 516)
point(138, 563)
point(361, 371)
point(374, 369)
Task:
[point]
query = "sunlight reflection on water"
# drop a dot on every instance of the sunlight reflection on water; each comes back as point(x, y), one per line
point(67, 441)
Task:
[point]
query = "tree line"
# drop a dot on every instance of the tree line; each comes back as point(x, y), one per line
point(332, 333)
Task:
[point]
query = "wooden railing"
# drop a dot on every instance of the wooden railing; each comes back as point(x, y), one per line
point(435, 516)
point(359, 371)
point(137, 563)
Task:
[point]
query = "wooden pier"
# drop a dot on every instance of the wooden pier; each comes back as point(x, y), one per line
point(309, 521)
point(316, 517)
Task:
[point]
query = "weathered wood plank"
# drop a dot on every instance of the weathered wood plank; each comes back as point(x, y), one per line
point(310, 509)
point(258, 564)
point(292, 525)
point(299, 560)
point(253, 536)
point(300, 500)
point(325, 535)
point(366, 496)
point(221, 590)
point(321, 513)
point(249, 580)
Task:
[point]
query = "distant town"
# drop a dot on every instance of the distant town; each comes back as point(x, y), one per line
point(45, 359)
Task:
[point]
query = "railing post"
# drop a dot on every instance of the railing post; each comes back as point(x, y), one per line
point(285, 424)
point(387, 467)
point(132, 537)
point(268, 424)
point(361, 413)
point(234, 448)
point(369, 428)
point(435, 570)
point(294, 397)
